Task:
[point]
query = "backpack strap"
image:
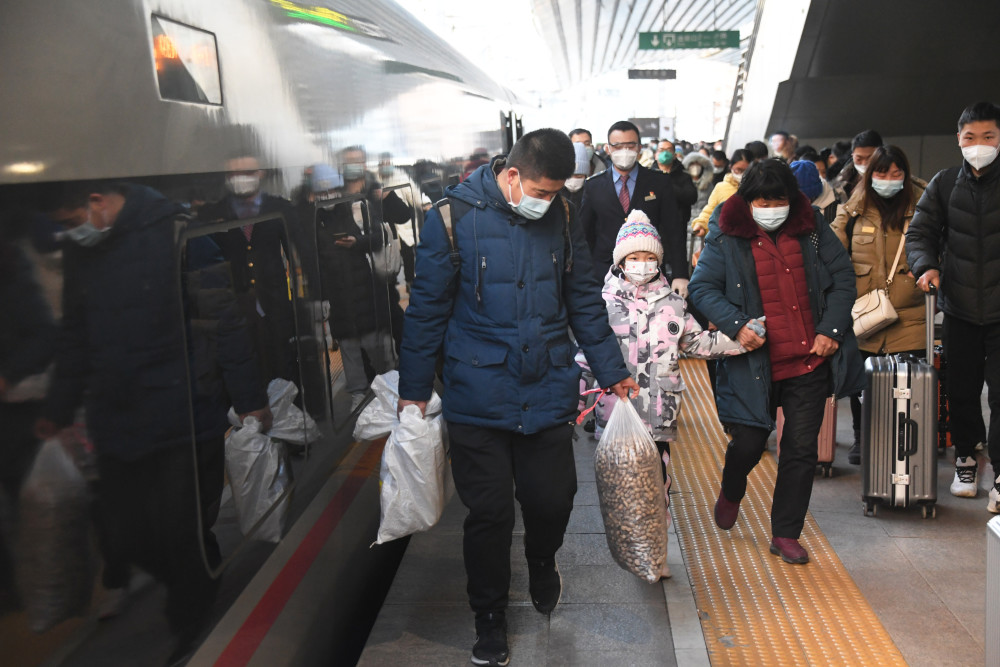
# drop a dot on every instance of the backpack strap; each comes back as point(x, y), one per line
point(947, 186)
point(450, 212)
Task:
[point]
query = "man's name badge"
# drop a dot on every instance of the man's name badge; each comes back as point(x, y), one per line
point(651, 197)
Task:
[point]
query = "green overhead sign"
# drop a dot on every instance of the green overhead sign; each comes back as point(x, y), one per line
point(711, 39)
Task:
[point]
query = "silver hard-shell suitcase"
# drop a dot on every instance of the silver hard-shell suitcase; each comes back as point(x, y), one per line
point(899, 430)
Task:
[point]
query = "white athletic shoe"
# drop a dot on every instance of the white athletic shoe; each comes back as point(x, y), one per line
point(994, 504)
point(964, 484)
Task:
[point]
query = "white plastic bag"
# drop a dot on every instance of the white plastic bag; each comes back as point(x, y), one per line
point(291, 424)
point(259, 476)
point(630, 489)
point(54, 569)
point(379, 416)
point(415, 476)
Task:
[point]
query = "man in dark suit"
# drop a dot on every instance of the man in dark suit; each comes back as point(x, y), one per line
point(258, 255)
point(610, 196)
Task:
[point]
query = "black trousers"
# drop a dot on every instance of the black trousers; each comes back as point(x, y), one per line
point(18, 447)
point(488, 465)
point(802, 400)
point(146, 515)
point(973, 354)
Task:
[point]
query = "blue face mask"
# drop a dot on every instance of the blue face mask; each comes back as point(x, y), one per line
point(887, 188)
point(86, 234)
point(529, 207)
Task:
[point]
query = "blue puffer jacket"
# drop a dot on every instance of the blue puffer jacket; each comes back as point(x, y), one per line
point(724, 288)
point(504, 323)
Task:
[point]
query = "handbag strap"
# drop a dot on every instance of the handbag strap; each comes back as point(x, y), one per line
point(899, 251)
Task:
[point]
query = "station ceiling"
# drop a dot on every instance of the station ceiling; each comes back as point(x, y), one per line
point(590, 37)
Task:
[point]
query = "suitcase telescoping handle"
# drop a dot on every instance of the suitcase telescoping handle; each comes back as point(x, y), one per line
point(931, 305)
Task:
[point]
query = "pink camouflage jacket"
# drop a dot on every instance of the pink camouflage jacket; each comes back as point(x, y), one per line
point(653, 328)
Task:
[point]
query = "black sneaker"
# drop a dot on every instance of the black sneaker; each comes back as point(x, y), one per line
point(590, 425)
point(544, 584)
point(491, 640)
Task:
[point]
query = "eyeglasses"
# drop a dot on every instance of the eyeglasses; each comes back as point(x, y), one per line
point(628, 144)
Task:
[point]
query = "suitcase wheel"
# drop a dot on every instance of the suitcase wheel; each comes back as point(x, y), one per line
point(928, 511)
point(869, 508)
point(827, 470)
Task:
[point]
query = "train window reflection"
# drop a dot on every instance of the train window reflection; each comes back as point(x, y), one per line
point(187, 62)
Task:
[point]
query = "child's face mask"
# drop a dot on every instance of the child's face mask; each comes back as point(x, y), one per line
point(640, 273)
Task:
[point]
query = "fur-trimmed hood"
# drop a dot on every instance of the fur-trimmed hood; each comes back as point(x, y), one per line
point(736, 219)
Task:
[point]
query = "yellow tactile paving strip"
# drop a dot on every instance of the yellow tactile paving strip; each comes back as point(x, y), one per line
point(756, 609)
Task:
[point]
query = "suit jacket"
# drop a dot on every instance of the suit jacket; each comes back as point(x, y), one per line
point(601, 216)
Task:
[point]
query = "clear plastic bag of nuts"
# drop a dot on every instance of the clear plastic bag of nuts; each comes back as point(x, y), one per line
point(630, 488)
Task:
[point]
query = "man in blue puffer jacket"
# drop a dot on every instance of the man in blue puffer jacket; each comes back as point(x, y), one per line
point(499, 311)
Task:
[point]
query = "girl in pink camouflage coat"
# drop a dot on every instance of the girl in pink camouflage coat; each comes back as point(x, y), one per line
point(653, 327)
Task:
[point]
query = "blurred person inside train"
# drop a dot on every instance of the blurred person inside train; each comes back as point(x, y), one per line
point(720, 166)
point(573, 190)
point(503, 324)
point(584, 137)
point(738, 164)
point(872, 226)
point(27, 345)
point(126, 347)
point(479, 157)
point(771, 254)
point(358, 303)
point(862, 147)
point(611, 196)
point(259, 257)
point(953, 243)
point(383, 206)
point(391, 177)
point(671, 164)
point(654, 328)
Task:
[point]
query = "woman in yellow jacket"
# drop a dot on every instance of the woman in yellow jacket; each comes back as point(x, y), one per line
point(872, 225)
point(723, 190)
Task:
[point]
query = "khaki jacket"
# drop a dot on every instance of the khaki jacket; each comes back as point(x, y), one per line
point(722, 191)
point(873, 250)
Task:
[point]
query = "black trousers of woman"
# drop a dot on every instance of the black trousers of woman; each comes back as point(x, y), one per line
point(802, 400)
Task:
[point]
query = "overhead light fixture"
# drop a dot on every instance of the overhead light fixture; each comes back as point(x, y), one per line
point(24, 168)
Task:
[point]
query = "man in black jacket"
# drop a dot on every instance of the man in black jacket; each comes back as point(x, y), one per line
point(609, 197)
point(954, 243)
point(156, 369)
point(258, 255)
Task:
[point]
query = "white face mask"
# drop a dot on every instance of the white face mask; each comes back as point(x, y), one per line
point(624, 159)
point(575, 183)
point(717, 170)
point(887, 188)
point(979, 155)
point(590, 152)
point(769, 219)
point(640, 273)
point(242, 185)
point(860, 168)
point(736, 177)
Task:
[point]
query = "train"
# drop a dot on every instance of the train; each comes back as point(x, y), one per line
point(166, 94)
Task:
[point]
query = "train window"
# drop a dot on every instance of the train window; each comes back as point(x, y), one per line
point(187, 62)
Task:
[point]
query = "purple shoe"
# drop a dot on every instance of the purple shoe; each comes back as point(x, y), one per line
point(726, 512)
point(790, 550)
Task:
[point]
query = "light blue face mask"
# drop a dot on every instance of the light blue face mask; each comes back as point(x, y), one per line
point(529, 207)
point(354, 171)
point(887, 188)
point(86, 234)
